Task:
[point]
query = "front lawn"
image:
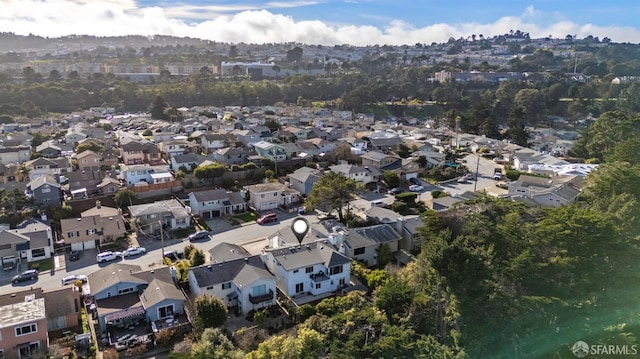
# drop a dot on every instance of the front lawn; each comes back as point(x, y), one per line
point(42, 265)
point(246, 217)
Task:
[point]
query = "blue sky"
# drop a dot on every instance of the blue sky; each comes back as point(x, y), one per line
point(328, 22)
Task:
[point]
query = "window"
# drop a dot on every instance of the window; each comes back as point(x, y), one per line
point(91, 231)
point(308, 270)
point(125, 291)
point(1, 353)
point(46, 190)
point(31, 328)
point(335, 270)
point(295, 271)
point(358, 251)
point(210, 287)
point(259, 290)
point(39, 252)
point(318, 285)
point(226, 285)
point(262, 195)
point(164, 312)
point(299, 287)
point(26, 350)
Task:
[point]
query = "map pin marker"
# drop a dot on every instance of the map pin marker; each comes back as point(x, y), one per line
point(300, 227)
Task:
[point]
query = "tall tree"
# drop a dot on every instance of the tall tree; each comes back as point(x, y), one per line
point(334, 191)
point(157, 108)
point(211, 312)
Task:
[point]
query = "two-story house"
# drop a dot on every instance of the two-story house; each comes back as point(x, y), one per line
point(88, 161)
point(548, 192)
point(173, 147)
point(124, 292)
point(15, 154)
point(244, 284)
point(23, 327)
point(213, 141)
point(314, 269)
point(188, 160)
point(95, 226)
point(247, 137)
point(12, 247)
point(303, 179)
point(270, 150)
point(48, 166)
point(40, 235)
point(135, 153)
point(133, 174)
point(362, 243)
point(168, 214)
point(271, 195)
point(232, 155)
point(378, 159)
point(362, 174)
point(216, 202)
point(45, 191)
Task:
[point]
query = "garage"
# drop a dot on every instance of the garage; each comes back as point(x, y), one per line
point(265, 206)
point(80, 246)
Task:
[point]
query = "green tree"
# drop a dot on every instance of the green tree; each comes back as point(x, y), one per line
point(277, 347)
point(531, 103)
point(89, 146)
point(157, 109)
point(211, 312)
point(394, 297)
point(384, 254)
point(334, 191)
point(209, 172)
point(197, 257)
point(125, 197)
point(213, 344)
point(391, 179)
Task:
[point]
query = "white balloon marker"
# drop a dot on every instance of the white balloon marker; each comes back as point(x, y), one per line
point(300, 227)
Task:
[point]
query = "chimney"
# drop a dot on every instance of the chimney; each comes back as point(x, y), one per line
point(43, 216)
point(98, 204)
point(399, 225)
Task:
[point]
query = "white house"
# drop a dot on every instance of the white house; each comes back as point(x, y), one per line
point(361, 174)
point(310, 269)
point(244, 284)
point(216, 203)
point(170, 213)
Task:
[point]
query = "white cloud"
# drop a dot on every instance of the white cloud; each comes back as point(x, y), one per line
point(244, 24)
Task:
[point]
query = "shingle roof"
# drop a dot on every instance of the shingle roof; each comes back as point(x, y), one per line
point(372, 235)
point(225, 252)
point(112, 274)
point(226, 271)
point(307, 255)
point(210, 195)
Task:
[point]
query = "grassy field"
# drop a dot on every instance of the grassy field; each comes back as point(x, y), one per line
point(246, 217)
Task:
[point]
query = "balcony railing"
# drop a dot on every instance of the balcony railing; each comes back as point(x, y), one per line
point(261, 298)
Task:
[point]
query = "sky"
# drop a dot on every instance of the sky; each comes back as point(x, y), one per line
point(324, 22)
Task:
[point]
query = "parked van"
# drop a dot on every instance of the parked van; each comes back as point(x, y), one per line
point(108, 256)
point(378, 203)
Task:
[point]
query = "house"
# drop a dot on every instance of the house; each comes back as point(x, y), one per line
point(300, 134)
point(362, 174)
point(14, 246)
point(40, 239)
point(173, 147)
point(133, 174)
point(232, 155)
point(271, 151)
point(62, 306)
point(385, 144)
point(88, 161)
point(23, 327)
point(362, 243)
point(45, 166)
point(15, 154)
point(303, 179)
point(170, 213)
point(109, 185)
point(124, 292)
point(215, 203)
point(95, 226)
point(51, 149)
point(224, 252)
point(314, 269)
point(248, 137)
point(244, 284)
point(408, 228)
point(358, 146)
point(73, 136)
point(45, 191)
point(83, 183)
point(548, 192)
point(188, 160)
point(136, 153)
point(378, 159)
point(271, 195)
point(213, 141)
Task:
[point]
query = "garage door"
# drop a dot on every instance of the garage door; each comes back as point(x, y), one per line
point(89, 244)
point(206, 215)
point(268, 205)
point(77, 246)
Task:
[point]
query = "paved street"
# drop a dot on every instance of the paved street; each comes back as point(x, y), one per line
point(87, 263)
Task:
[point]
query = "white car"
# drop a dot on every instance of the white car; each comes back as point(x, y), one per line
point(134, 251)
point(108, 256)
point(74, 278)
point(415, 188)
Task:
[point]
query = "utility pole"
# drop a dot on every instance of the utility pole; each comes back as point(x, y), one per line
point(475, 185)
point(161, 239)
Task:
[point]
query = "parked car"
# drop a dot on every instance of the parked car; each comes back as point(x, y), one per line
point(30, 274)
point(198, 235)
point(415, 188)
point(173, 255)
point(74, 278)
point(108, 256)
point(134, 251)
point(74, 255)
point(395, 191)
point(462, 179)
point(270, 217)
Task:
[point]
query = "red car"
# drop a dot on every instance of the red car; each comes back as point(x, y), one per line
point(271, 217)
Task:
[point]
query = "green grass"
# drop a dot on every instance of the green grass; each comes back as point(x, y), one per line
point(246, 217)
point(42, 265)
point(184, 232)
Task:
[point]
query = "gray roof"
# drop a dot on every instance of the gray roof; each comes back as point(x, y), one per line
point(224, 272)
point(158, 291)
point(112, 274)
point(210, 195)
point(42, 180)
point(224, 252)
point(37, 231)
point(170, 205)
point(189, 158)
point(348, 169)
point(303, 174)
point(371, 236)
point(10, 237)
point(375, 155)
point(307, 255)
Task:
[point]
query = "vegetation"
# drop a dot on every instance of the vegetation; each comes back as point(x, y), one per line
point(211, 312)
point(332, 191)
